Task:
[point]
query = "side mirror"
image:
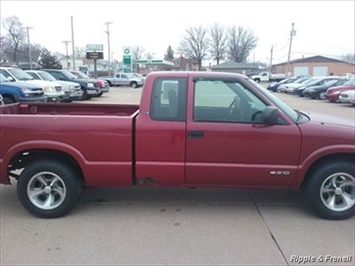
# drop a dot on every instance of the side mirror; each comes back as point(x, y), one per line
point(11, 78)
point(270, 115)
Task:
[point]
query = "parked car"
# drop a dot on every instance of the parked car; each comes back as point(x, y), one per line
point(123, 79)
point(14, 92)
point(103, 84)
point(1, 100)
point(89, 87)
point(289, 87)
point(274, 86)
point(318, 92)
point(347, 97)
point(316, 82)
point(72, 90)
point(332, 94)
point(52, 90)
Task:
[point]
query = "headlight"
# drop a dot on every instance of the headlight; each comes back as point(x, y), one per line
point(71, 88)
point(26, 90)
point(337, 92)
point(49, 89)
point(90, 85)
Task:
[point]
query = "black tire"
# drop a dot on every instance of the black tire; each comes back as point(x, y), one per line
point(100, 94)
point(257, 80)
point(51, 182)
point(329, 190)
point(8, 100)
point(109, 83)
point(134, 85)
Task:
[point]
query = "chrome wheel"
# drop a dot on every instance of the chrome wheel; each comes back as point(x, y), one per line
point(322, 96)
point(337, 192)
point(46, 190)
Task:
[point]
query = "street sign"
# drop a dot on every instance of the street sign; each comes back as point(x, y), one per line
point(94, 55)
point(127, 59)
point(94, 47)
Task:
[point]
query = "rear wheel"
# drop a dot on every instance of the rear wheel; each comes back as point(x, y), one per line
point(48, 188)
point(330, 190)
point(134, 85)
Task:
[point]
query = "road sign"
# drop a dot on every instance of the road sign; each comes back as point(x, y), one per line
point(126, 51)
point(94, 55)
point(127, 59)
point(94, 47)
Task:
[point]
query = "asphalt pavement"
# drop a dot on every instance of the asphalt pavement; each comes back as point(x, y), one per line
point(151, 226)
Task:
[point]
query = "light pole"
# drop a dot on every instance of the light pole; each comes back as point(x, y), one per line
point(292, 33)
point(66, 52)
point(29, 45)
point(108, 46)
point(72, 41)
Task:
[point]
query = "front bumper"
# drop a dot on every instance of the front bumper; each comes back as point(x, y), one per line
point(32, 99)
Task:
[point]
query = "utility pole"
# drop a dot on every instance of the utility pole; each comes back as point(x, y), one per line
point(66, 52)
point(108, 46)
point(29, 45)
point(292, 33)
point(72, 41)
point(271, 51)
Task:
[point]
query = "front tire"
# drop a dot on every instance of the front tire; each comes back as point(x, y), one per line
point(330, 191)
point(48, 188)
point(134, 85)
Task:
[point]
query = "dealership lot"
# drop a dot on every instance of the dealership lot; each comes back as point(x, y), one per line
point(179, 226)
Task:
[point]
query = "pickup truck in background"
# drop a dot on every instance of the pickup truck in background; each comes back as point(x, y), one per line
point(52, 90)
point(90, 87)
point(124, 79)
point(266, 76)
point(191, 129)
point(103, 84)
point(14, 92)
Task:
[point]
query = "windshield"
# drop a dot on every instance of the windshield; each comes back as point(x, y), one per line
point(20, 74)
point(301, 80)
point(69, 75)
point(46, 76)
point(3, 78)
point(350, 83)
point(292, 114)
point(332, 82)
point(81, 75)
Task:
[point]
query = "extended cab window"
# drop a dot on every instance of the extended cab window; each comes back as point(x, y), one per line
point(169, 99)
point(219, 100)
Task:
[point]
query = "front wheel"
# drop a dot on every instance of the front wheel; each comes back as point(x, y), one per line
point(134, 85)
point(48, 188)
point(330, 190)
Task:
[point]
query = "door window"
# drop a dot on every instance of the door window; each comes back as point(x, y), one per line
point(220, 101)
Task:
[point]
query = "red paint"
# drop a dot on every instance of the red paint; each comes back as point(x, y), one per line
point(115, 145)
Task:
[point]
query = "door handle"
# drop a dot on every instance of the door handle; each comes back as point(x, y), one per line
point(195, 134)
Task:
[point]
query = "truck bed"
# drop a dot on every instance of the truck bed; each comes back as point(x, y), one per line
point(69, 109)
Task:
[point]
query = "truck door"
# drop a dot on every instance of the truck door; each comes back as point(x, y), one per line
point(123, 80)
point(228, 144)
point(160, 133)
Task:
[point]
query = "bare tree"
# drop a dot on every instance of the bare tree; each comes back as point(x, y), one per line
point(195, 44)
point(349, 58)
point(79, 52)
point(218, 42)
point(241, 42)
point(17, 33)
point(137, 52)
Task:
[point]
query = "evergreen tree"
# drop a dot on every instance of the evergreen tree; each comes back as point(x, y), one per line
point(49, 61)
point(169, 54)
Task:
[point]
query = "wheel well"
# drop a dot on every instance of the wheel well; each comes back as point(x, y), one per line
point(9, 96)
point(132, 82)
point(24, 158)
point(325, 160)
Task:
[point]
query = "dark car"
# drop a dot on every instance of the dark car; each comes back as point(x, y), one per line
point(318, 92)
point(89, 87)
point(316, 82)
point(273, 86)
point(103, 84)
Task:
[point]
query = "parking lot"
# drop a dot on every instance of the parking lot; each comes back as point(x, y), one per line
point(151, 226)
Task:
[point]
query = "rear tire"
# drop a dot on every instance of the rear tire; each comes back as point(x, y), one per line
point(48, 188)
point(330, 190)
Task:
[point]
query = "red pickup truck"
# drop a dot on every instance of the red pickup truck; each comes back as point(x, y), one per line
point(191, 129)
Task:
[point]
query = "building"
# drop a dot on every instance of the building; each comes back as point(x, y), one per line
point(241, 68)
point(315, 66)
point(185, 64)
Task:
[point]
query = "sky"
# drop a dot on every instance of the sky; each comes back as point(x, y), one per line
point(322, 27)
